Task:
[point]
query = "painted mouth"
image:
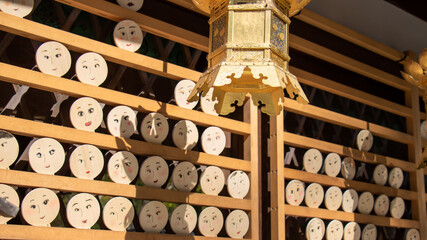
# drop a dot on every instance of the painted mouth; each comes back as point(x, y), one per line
point(15, 9)
point(92, 78)
point(54, 69)
point(87, 124)
point(238, 232)
point(131, 4)
point(48, 166)
point(1, 160)
point(155, 181)
point(212, 229)
point(186, 185)
point(184, 228)
point(124, 177)
point(87, 172)
point(123, 131)
point(43, 217)
point(128, 44)
point(213, 189)
point(156, 136)
point(84, 221)
point(296, 200)
point(155, 226)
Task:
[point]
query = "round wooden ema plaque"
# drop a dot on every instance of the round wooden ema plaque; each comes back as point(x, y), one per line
point(83, 211)
point(364, 141)
point(238, 184)
point(213, 140)
point(350, 200)
point(86, 162)
point(153, 217)
point(312, 160)
point(91, 68)
point(332, 164)
point(397, 207)
point(154, 172)
point(183, 219)
point(9, 149)
point(184, 176)
point(53, 58)
point(315, 229)
point(352, 231)
point(334, 230)
point(154, 128)
point(40, 207)
point(123, 167)
point(237, 224)
point(210, 222)
point(423, 129)
point(133, 5)
point(395, 178)
point(412, 234)
point(212, 180)
point(366, 203)
point(381, 205)
point(121, 121)
point(181, 93)
point(128, 35)
point(380, 174)
point(208, 104)
point(46, 156)
point(185, 135)
point(19, 8)
point(86, 114)
point(10, 195)
point(369, 232)
point(348, 168)
point(333, 198)
point(294, 192)
point(314, 195)
point(118, 214)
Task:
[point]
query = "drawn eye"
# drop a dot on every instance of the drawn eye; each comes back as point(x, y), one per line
point(77, 210)
point(189, 173)
point(132, 32)
point(218, 137)
point(128, 164)
point(126, 117)
point(80, 160)
point(112, 213)
point(116, 166)
point(149, 215)
point(97, 65)
point(205, 221)
point(180, 175)
point(149, 127)
point(91, 110)
point(46, 57)
point(123, 34)
point(52, 151)
point(158, 168)
point(45, 202)
point(214, 218)
point(158, 213)
point(180, 133)
point(159, 124)
point(116, 120)
point(189, 131)
point(58, 55)
point(292, 191)
point(3, 144)
point(91, 158)
point(85, 67)
point(39, 155)
point(80, 113)
point(208, 180)
point(33, 206)
point(88, 206)
point(179, 219)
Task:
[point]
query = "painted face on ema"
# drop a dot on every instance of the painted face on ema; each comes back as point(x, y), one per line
point(312, 160)
point(185, 135)
point(184, 176)
point(350, 199)
point(333, 198)
point(133, 5)
point(348, 168)
point(154, 128)
point(86, 162)
point(128, 35)
point(181, 93)
point(237, 224)
point(40, 207)
point(397, 207)
point(369, 232)
point(9, 194)
point(238, 184)
point(123, 167)
point(315, 229)
point(118, 214)
point(213, 140)
point(19, 8)
point(395, 178)
point(86, 114)
point(91, 68)
point(423, 129)
point(381, 205)
point(121, 121)
point(212, 180)
point(412, 234)
point(380, 174)
point(183, 219)
point(352, 231)
point(294, 192)
point(53, 58)
point(46, 156)
point(314, 195)
point(335, 230)
point(153, 217)
point(364, 141)
point(9, 149)
point(366, 203)
point(208, 104)
point(332, 164)
point(83, 211)
point(154, 172)
point(210, 222)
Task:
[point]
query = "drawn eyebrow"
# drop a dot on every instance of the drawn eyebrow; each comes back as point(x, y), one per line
point(32, 200)
point(38, 148)
point(44, 51)
point(57, 49)
point(87, 200)
point(158, 119)
point(147, 166)
point(132, 27)
point(74, 204)
point(148, 122)
point(180, 88)
point(120, 28)
point(96, 60)
point(157, 162)
point(78, 108)
point(84, 61)
point(44, 196)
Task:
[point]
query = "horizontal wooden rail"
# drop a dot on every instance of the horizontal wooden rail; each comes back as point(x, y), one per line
point(306, 142)
point(74, 136)
point(348, 217)
point(345, 184)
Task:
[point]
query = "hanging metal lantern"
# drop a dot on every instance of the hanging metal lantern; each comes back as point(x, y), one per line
point(248, 53)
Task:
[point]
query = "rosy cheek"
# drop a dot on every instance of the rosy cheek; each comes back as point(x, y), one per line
point(191, 177)
point(300, 193)
point(179, 180)
point(129, 123)
point(115, 128)
point(116, 173)
point(163, 172)
point(191, 218)
point(290, 196)
point(29, 212)
point(176, 223)
point(52, 204)
point(148, 132)
point(113, 222)
point(148, 177)
point(160, 129)
point(134, 38)
point(159, 218)
point(129, 169)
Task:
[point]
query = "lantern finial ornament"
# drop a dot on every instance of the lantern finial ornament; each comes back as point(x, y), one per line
point(248, 53)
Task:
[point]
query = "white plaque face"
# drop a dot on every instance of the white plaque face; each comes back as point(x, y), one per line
point(352, 231)
point(40, 207)
point(46, 156)
point(423, 129)
point(128, 35)
point(395, 178)
point(184, 176)
point(19, 8)
point(83, 211)
point(154, 172)
point(333, 198)
point(210, 222)
point(312, 160)
point(366, 203)
point(91, 68)
point(181, 93)
point(237, 224)
point(314, 195)
point(121, 121)
point(207, 104)
point(294, 192)
point(350, 200)
point(183, 219)
point(348, 168)
point(86, 114)
point(153, 217)
point(9, 149)
point(397, 207)
point(185, 135)
point(380, 174)
point(335, 230)
point(123, 167)
point(86, 162)
point(213, 140)
point(212, 180)
point(133, 5)
point(53, 58)
point(315, 229)
point(364, 141)
point(412, 234)
point(332, 164)
point(369, 232)
point(118, 214)
point(238, 184)
point(154, 128)
point(381, 205)
point(10, 195)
